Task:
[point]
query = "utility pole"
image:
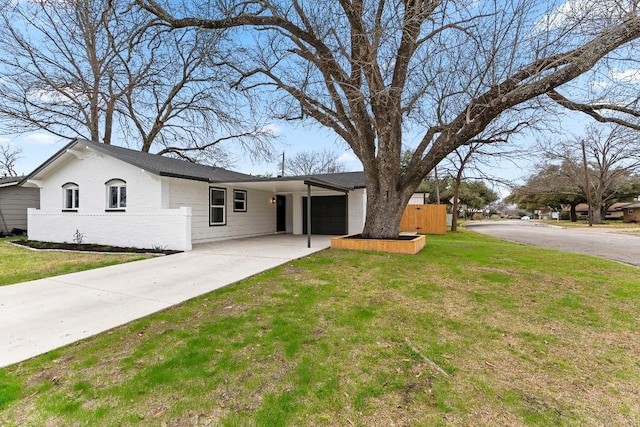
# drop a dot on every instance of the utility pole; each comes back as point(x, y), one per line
point(435, 175)
point(282, 165)
point(587, 188)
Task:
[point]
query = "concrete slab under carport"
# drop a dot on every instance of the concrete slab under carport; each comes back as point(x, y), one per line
point(46, 314)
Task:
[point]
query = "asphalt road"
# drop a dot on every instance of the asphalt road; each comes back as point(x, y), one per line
point(612, 244)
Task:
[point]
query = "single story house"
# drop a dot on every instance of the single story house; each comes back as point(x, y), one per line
point(614, 211)
point(105, 194)
point(14, 202)
point(631, 212)
point(419, 198)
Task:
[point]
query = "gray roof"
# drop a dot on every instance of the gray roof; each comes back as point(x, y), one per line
point(631, 205)
point(159, 165)
point(338, 180)
point(166, 166)
point(7, 181)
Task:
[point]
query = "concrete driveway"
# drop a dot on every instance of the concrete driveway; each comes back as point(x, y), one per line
point(610, 243)
point(41, 315)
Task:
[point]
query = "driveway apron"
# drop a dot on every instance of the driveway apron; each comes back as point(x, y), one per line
point(41, 315)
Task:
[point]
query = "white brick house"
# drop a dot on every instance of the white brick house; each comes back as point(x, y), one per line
point(115, 196)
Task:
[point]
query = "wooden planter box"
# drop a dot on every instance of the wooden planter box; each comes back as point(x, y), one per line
point(404, 246)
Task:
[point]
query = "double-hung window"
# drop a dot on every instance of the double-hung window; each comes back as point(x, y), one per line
point(239, 201)
point(217, 206)
point(116, 194)
point(71, 196)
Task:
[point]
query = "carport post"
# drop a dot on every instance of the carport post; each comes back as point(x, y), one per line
point(308, 215)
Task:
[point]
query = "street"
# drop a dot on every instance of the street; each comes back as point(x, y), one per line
point(608, 243)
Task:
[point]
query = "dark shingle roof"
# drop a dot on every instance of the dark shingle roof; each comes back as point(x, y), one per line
point(339, 180)
point(159, 165)
point(6, 181)
point(167, 166)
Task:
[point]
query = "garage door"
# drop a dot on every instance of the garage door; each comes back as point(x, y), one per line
point(328, 215)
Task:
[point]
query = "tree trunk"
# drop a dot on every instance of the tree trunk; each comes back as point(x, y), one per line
point(597, 213)
point(572, 214)
point(384, 213)
point(386, 202)
point(456, 193)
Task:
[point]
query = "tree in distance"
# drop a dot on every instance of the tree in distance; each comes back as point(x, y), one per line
point(8, 157)
point(313, 162)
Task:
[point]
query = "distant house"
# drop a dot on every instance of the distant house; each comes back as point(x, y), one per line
point(419, 198)
point(116, 196)
point(631, 212)
point(14, 202)
point(613, 212)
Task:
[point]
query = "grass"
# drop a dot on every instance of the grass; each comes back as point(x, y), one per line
point(604, 224)
point(523, 336)
point(20, 264)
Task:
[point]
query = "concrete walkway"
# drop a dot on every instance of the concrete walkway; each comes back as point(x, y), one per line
point(41, 315)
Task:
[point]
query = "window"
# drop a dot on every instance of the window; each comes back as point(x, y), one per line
point(217, 206)
point(116, 194)
point(239, 201)
point(630, 212)
point(71, 196)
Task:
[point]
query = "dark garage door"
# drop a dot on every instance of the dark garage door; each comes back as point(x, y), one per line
point(328, 215)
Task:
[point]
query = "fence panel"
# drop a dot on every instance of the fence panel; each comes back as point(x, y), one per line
point(425, 219)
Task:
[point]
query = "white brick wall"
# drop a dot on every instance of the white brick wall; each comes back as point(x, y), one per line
point(167, 228)
point(91, 173)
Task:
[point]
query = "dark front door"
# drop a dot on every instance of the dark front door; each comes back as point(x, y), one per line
point(328, 215)
point(281, 213)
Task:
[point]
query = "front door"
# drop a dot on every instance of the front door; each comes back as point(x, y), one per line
point(281, 214)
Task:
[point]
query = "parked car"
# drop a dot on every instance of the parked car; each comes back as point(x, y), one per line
point(525, 218)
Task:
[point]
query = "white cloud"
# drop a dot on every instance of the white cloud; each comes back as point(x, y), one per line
point(599, 84)
point(5, 141)
point(40, 139)
point(349, 161)
point(347, 157)
point(272, 129)
point(629, 75)
point(587, 13)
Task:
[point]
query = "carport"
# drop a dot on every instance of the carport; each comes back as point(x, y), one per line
point(315, 204)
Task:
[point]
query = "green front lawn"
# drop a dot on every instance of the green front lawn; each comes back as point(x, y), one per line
point(19, 264)
point(471, 331)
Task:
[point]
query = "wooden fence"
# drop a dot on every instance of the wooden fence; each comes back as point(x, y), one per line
point(425, 219)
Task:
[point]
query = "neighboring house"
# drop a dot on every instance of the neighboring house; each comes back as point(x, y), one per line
point(111, 195)
point(14, 202)
point(419, 198)
point(631, 212)
point(613, 212)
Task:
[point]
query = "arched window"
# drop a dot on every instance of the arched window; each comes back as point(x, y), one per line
point(70, 196)
point(116, 194)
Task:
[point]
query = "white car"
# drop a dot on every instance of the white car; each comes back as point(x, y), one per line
point(525, 218)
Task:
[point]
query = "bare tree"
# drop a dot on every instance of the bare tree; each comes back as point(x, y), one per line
point(373, 69)
point(94, 69)
point(613, 157)
point(8, 158)
point(313, 162)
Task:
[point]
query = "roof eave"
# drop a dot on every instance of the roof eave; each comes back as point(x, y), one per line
point(49, 161)
point(181, 176)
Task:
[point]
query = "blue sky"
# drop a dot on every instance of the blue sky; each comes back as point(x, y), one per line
point(37, 147)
